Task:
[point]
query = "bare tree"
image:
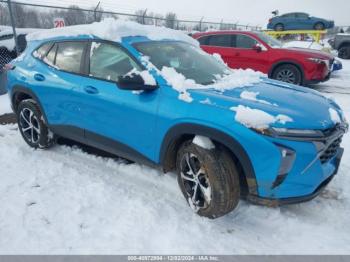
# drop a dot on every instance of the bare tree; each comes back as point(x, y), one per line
point(4, 15)
point(171, 20)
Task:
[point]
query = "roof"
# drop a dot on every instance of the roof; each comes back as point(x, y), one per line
point(113, 30)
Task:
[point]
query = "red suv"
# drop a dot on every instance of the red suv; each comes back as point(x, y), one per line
point(260, 52)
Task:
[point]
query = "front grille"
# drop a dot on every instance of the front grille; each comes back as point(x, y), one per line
point(331, 150)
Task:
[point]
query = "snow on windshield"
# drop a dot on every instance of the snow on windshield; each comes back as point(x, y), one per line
point(114, 30)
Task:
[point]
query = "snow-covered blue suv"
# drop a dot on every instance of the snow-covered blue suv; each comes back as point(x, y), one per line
point(228, 134)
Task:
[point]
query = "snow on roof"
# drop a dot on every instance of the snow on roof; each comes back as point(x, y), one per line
point(9, 31)
point(114, 30)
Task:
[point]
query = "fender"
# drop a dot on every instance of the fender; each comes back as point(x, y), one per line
point(187, 129)
point(292, 62)
point(18, 89)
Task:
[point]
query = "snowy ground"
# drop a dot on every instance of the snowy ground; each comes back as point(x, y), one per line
point(65, 201)
point(4, 105)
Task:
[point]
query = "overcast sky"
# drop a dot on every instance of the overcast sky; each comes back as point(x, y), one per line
point(254, 12)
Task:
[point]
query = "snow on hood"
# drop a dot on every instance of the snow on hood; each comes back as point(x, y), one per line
point(256, 118)
point(114, 30)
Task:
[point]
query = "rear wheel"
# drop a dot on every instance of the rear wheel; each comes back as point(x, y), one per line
point(279, 27)
point(344, 52)
point(288, 73)
point(31, 125)
point(208, 179)
point(319, 26)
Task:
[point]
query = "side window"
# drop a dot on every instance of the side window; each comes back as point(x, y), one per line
point(42, 50)
point(220, 40)
point(50, 57)
point(69, 55)
point(109, 61)
point(203, 40)
point(244, 41)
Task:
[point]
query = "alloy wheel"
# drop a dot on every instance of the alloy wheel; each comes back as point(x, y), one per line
point(195, 181)
point(286, 75)
point(29, 125)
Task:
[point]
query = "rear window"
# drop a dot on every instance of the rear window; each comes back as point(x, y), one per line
point(65, 56)
point(43, 50)
point(220, 40)
point(203, 40)
point(69, 55)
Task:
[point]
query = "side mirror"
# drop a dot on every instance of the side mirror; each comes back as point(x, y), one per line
point(258, 48)
point(134, 82)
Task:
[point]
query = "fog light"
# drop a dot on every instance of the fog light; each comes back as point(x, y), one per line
point(287, 161)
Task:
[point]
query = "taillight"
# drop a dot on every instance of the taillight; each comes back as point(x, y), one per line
point(8, 67)
point(270, 20)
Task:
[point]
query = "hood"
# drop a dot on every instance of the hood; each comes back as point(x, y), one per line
point(307, 52)
point(307, 108)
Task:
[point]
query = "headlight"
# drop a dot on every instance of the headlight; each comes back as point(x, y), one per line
point(318, 61)
point(285, 132)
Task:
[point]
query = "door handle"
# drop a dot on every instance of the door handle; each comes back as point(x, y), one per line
point(39, 77)
point(91, 90)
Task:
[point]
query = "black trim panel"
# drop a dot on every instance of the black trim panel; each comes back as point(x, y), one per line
point(193, 129)
point(103, 143)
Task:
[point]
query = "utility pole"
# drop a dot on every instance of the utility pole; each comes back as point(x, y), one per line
point(200, 24)
point(95, 13)
point(13, 26)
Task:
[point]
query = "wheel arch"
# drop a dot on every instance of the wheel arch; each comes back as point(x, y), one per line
point(186, 131)
point(20, 93)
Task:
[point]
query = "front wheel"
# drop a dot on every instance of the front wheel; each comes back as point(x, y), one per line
point(208, 179)
point(288, 73)
point(31, 125)
point(344, 52)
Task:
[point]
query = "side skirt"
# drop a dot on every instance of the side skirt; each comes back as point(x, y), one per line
point(103, 143)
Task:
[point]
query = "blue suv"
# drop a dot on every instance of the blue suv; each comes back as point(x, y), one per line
point(266, 141)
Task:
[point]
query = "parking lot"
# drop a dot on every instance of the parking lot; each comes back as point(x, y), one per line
point(67, 201)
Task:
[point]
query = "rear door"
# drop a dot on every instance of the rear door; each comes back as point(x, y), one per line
point(220, 44)
point(58, 85)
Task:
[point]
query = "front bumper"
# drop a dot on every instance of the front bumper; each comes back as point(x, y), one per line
point(293, 169)
point(273, 202)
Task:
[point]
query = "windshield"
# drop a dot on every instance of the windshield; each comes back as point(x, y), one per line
point(272, 42)
point(186, 59)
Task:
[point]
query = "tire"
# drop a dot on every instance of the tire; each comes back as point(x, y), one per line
point(288, 73)
point(219, 179)
point(319, 26)
point(344, 52)
point(279, 27)
point(32, 126)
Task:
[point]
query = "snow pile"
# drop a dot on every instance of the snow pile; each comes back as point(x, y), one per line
point(219, 58)
point(334, 116)
point(252, 96)
point(304, 44)
point(255, 118)
point(234, 79)
point(146, 76)
point(203, 142)
point(114, 30)
point(10, 43)
point(5, 107)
